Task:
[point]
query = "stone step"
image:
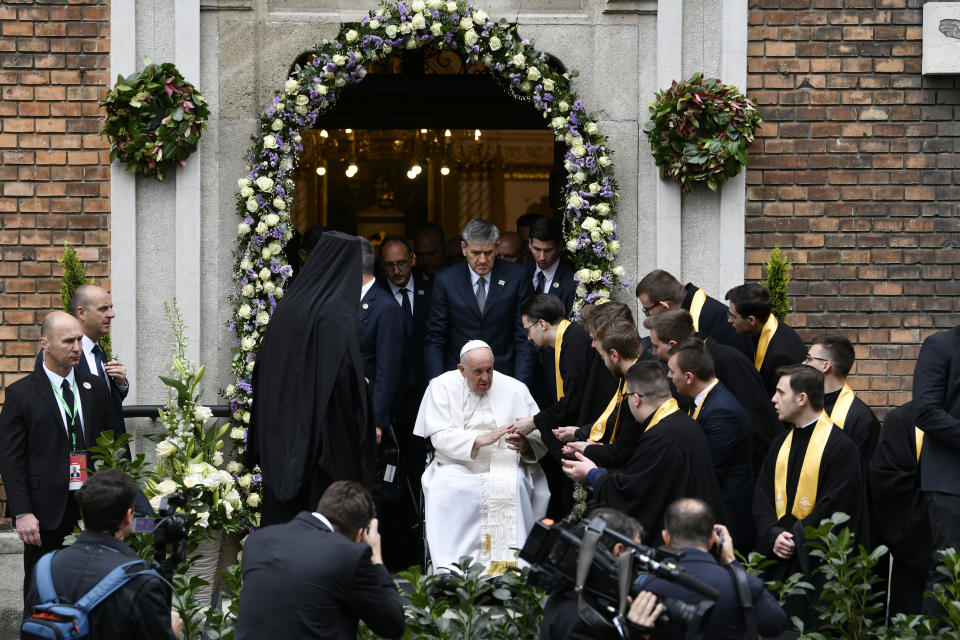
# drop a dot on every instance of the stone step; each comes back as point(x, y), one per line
point(11, 585)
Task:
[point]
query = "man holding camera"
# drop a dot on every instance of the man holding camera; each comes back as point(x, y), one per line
point(689, 525)
point(141, 607)
point(319, 574)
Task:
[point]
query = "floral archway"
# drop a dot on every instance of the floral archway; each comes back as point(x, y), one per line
point(264, 196)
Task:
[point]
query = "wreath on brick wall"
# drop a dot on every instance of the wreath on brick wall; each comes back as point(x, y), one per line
point(700, 130)
point(154, 119)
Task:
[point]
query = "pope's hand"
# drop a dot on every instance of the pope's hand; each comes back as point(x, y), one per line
point(565, 434)
point(517, 442)
point(487, 438)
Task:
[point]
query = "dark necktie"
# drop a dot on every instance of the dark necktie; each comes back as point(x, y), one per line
point(99, 357)
point(73, 423)
point(407, 310)
point(541, 282)
point(481, 293)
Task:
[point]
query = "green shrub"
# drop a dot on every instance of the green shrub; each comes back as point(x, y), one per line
point(778, 278)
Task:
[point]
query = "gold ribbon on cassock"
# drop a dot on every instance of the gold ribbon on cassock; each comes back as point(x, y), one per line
point(556, 356)
point(805, 497)
point(842, 406)
point(766, 334)
point(664, 410)
point(918, 435)
point(600, 426)
point(696, 306)
point(696, 413)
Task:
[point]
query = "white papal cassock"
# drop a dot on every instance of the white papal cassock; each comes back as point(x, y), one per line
point(486, 506)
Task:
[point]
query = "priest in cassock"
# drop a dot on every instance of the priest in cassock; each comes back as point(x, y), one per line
point(484, 489)
point(583, 387)
point(671, 459)
point(310, 422)
point(811, 472)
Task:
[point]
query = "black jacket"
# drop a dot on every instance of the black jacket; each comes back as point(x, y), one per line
point(727, 620)
point(382, 341)
point(713, 322)
point(936, 406)
point(786, 347)
point(302, 580)
point(138, 610)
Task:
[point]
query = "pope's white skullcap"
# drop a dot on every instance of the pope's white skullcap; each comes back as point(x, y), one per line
point(474, 344)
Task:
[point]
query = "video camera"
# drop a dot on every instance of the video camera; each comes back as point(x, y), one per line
point(567, 555)
point(170, 531)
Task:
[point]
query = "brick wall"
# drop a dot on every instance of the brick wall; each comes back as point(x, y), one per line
point(856, 176)
point(54, 168)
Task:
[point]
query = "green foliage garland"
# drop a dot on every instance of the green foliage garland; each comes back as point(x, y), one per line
point(700, 130)
point(778, 278)
point(75, 276)
point(154, 119)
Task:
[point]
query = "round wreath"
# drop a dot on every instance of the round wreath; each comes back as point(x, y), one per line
point(265, 192)
point(700, 130)
point(154, 119)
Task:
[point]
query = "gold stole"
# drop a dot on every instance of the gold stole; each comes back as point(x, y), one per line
point(696, 306)
point(556, 356)
point(806, 494)
point(918, 435)
point(668, 407)
point(766, 334)
point(842, 406)
point(596, 432)
point(705, 394)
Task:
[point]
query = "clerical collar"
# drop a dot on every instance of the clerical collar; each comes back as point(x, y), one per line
point(57, 380)
point(809, 424)
point(549, 272)
point(365, 288)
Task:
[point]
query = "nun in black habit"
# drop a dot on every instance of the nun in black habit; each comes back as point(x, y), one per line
point(310, 424)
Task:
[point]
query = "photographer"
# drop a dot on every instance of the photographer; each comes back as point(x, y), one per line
point(140, 608)
point(561, 620)
point(317, 575)
point(689, 525)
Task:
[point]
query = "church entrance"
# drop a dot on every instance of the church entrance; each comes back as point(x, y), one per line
point(425, 138)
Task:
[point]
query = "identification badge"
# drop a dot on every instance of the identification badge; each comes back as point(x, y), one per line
point(389, 473)
point(78, 469)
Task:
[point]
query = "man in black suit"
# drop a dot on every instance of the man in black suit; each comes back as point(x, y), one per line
point(689, 525)
point(429, 243)
point(319, 574)
point(775, 343)
point(49, 420)
point(659, 291)
point(727, 426)
point(479, 300)
point(936, 406)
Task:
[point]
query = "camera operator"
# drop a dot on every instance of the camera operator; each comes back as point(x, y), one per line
point(317, 575)
point(140, 608)
point(561, 619)
point(689, 525)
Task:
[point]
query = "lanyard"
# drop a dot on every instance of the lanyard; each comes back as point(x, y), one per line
point(71, 414)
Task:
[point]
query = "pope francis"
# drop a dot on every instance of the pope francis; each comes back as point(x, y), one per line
point(484, 489)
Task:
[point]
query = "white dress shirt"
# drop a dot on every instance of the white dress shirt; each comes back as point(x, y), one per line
point(57, 381)
point(548, 274)
point(397, 295)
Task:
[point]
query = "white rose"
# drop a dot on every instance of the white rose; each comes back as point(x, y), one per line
point(236, 433)
point(166, 487)
point(596, 275)
point(578, 150)
point(480, 16)
point(244, 311)
point(589, 223)
point(418, 21)
point(578, 177)
point(232, 496)
point(563, 106)
point(266, 253)
point(583, 275)
point(302, 99)
point(574, 201)
point(451, 7)
point(525, 86)
point(278, 203)
point(434, 4)
point(607, 226)
point(436, 28)
point(591, 128)
point(572, 246)
point(470, 38)
point(230, 390)
point(246, 265)
point(339, 59)
point(243, 182)
point(495, 43)
point(264, 183)
point(387, 49)
point(352, 35)
point(271, 219)
point(278, 294)
point(603, 293)
point(603, 209)
point(418, 5)
point(191, 480)
point(593, 187)
point(217, 458)
point(533, 74)
point(405, 28)
point(165, 449)
point(275, 247)
point(286, 163)
point(261, 227)
point(391, 31)
point(603, 161)
point(264, 274)
point(249, 367)
point(548, 84)
point(253, 499)
point(466, 23)
point(290, 85)
point(340, 82)
point(595, 235)
point(246, 414)
point(277, 125)
point(202, 413)
point(619, 271)
point(248, 343)
point(613, 246)
point(320, 89)
point(520, 60)
point(243, 228)
point(246, 192)
point(245, 481)
point(263, 318)
point(252, 205)
point(558, 123)
point(269, 142)
point(268, 286)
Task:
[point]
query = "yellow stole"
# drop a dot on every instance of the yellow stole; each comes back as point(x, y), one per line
point(668, 407)
point(556, 356)
point(766, 334)
point(696, 306)
point(806, 494)
point(705, 394)
point(918, 435)
point(600, 426)
point(840, 409)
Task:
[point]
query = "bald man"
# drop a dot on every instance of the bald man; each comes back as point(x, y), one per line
point(510, 247)
point(49, 420)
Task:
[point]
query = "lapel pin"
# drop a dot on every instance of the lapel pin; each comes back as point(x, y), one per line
point(366, 306)
point(556, 285)
point(419, 292)
point(86, 385)
point(501, 282)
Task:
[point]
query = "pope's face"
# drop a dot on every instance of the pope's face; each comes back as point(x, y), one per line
point(477, 370)
point(480, 256)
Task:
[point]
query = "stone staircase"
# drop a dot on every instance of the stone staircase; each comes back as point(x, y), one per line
point(11, 585)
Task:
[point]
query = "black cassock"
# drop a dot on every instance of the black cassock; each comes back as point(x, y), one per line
point(670, 461)
point(861, 425)
point(900, 509)
point(310, 422)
